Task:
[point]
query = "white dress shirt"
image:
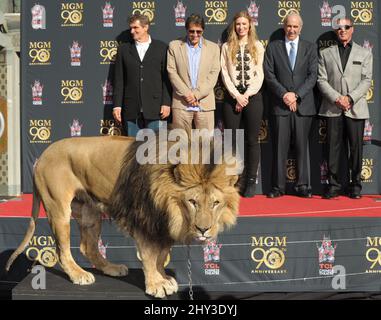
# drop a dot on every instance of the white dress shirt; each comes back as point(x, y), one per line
point(142, 47)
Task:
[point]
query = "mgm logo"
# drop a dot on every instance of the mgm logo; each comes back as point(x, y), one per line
point(370, 93)
point(42, 249)
point(269, 254)
point(362, 12)
point(109, 128)
point(216, 12)
point(40, 131)
point(107, 51)
point(40, 52)
point(145, 7)
point(264, 132)
point(373, 254)
point(72, 91)
point(367, 170)
point(287, 7)
point(322, 131)
point(291, 170)
point(72, 14)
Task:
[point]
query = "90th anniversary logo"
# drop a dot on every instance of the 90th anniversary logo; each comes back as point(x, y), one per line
point(72, 14)
point(269, 254)
point(145, 7)
point(72, 91)
point(367, 170)
point(109, 128)
point(42, 249)
point(216, 12)
point(287, 7)
point(40, 131)
point(362, 12)
point(373, 254)
point(40, 52)
point(107, 51)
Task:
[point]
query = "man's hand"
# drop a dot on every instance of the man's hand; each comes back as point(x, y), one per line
point(191, 99)
point(117, 114)
point(165, 111)
point(343, 102)
point(290, 99)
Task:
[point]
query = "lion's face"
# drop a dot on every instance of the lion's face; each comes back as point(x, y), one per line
point(208, 210)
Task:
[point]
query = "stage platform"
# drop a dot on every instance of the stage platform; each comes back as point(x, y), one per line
point(131, 287)
point(287, 245)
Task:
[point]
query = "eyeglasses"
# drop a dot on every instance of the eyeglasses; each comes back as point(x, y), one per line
point(195, 31)
point(346, 27)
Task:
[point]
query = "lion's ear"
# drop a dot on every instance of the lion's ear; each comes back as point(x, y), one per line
point(233, 180)
point(177, 174)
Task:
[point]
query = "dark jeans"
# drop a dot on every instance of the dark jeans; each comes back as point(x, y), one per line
point(131, 127)
point(251, 117)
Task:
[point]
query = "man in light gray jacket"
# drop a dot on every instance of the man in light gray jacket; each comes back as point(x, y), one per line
point(344, 77)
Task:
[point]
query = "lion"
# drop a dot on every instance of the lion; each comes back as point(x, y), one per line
point(156, 204)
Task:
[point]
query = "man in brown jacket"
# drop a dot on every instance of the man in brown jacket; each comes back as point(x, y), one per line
point(193, 65)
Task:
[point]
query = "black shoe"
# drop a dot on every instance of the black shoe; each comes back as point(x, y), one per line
point(275, 194)
point(330, 194)
point(249, 191)
point(304, 193)
point(354, 195)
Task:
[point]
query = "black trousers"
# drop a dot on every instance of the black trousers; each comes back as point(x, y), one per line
point(251, 117)
point(296, 127)
point(342, 131)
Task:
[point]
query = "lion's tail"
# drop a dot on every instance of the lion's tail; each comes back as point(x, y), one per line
point(30, 232)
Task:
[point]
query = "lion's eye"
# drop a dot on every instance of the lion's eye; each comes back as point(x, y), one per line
point(216, 203)
point(193, 202)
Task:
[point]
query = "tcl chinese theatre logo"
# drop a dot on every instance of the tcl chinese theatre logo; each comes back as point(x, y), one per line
point(268, 254)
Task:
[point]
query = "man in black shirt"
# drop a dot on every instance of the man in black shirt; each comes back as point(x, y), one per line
point(344, 77)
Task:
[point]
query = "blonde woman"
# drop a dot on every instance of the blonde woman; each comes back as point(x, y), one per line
point(242, 74)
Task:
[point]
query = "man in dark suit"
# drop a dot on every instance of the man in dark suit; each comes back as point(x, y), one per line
point(142, 91)
point(290, 68)
point(345, 76)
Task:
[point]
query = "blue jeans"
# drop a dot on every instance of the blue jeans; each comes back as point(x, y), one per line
point(134, 126)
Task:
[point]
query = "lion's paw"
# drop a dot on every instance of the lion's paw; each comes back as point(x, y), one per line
point(162, 288)
point(83, 278)
point(116, 270)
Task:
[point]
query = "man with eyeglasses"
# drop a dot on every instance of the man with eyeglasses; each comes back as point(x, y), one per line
point(344, 77)
point(193, 65)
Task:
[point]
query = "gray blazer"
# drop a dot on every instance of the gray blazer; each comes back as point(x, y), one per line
point(354, 81)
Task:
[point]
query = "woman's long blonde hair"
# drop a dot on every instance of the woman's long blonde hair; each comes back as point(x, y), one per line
point(233, 41)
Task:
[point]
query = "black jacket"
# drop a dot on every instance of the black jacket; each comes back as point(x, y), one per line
point(141, 83)
point(280, 78)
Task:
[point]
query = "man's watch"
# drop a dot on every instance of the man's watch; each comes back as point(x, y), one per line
point(297, 97)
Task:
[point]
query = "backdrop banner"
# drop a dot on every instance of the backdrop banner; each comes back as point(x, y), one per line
point(69, 48)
